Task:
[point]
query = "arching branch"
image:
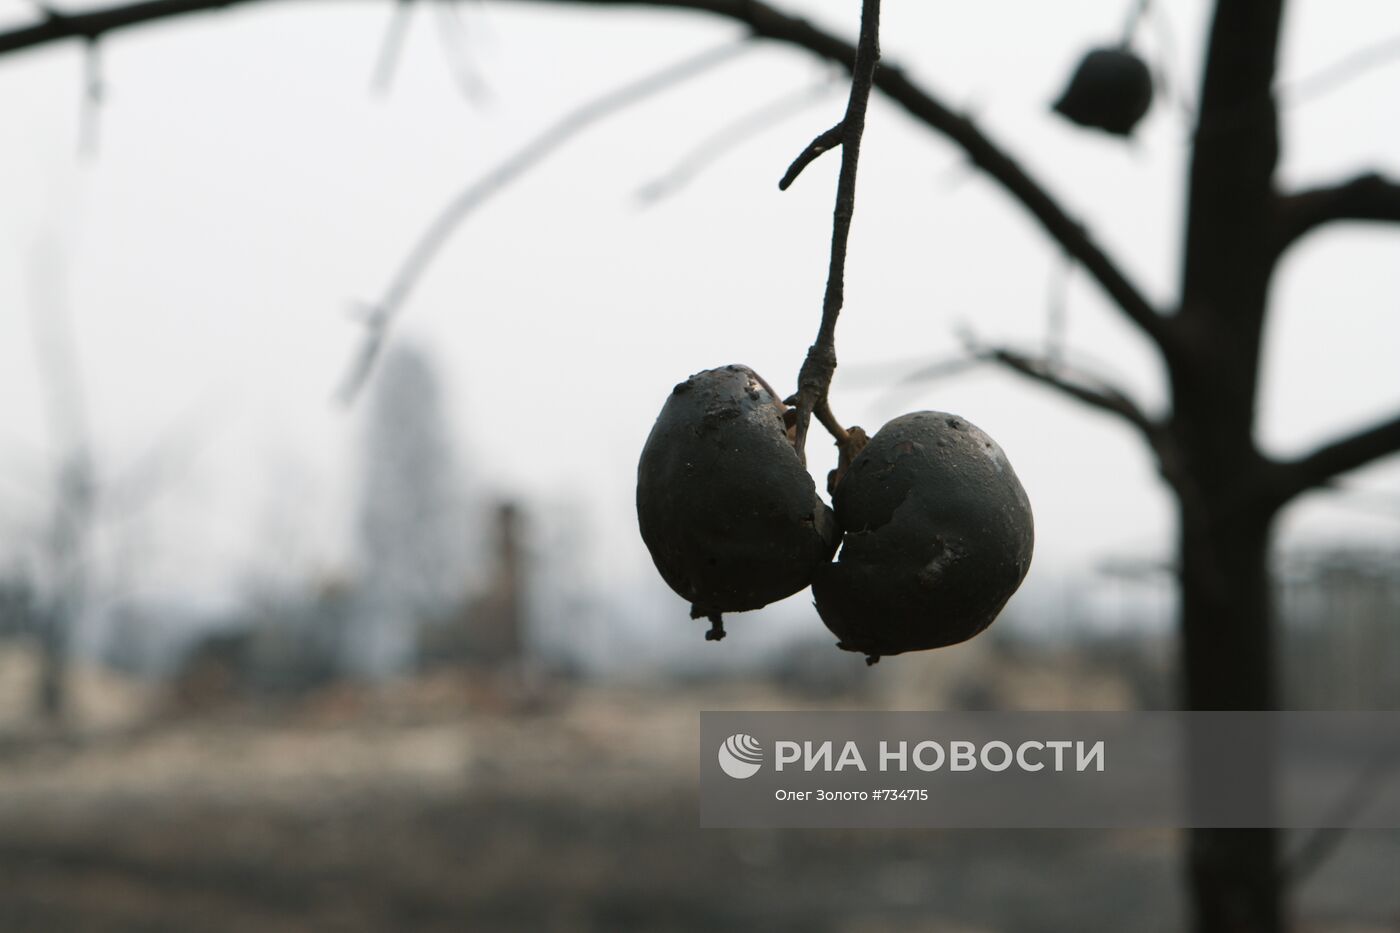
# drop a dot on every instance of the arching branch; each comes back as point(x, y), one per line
point(769, 23)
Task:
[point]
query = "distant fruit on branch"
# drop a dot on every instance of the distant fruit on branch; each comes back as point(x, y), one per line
point(1111, 90)
point(728, 511)
point(938, 537)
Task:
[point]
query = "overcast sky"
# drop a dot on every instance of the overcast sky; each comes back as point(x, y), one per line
point(248, 190)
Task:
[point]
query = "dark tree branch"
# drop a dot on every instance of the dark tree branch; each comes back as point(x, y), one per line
point(814, 379)
point(1368, 197)
point(1098, 393)
point(1082, 387)
point(1341, 456)
point(768, 23)
point(58, 27)
point(378, 316)
point(827, 140)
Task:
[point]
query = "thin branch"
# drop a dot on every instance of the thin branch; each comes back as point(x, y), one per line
point(1082, 387)
point(829, 139)
point(380, 315)
point(946, 368)
point(1076, 383)
point(1136, 12)
point(726, 138)
point(1341, 456)
point(1368, 197)
point(768, 23)
point(1354, 65)
point(94, 89)
point(452, 36)
point(1172, 89)
point(391, 47)
point(814, 379)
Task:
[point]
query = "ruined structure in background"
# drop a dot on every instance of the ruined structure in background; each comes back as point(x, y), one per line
point(487, 635)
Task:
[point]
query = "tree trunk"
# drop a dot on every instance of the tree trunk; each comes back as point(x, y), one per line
point(1226, 625)
point(1227, 655)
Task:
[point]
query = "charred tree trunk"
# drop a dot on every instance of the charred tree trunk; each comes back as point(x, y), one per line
point(1226, 519)
point(1227, 655)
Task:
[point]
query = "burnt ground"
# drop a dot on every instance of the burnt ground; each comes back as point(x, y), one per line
point(350, 817)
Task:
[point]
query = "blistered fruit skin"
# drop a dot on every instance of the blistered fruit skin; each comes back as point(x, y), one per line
point(938, 536)
point(728, 511)
point(1111, 90)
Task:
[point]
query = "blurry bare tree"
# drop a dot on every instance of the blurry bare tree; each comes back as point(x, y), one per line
point(67, 546)
point(84, 497)
point(1239, 226)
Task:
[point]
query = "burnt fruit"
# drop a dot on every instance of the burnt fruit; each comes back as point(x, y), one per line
point(1111, 90)
point(938, 536)
point(726, 507)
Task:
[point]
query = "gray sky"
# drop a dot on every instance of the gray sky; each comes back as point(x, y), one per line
point(248, 189)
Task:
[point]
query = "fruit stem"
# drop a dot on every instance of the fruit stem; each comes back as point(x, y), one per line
point(814, 379)
point(716, 632)
point(1135, 14)
point(832, 425)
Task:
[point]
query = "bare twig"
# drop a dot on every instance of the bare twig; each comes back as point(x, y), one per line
point(814, 379)
point(380, 314)
point(158, 468)
point(829, 139)
point(451, 35)
point(1340, 72)
point(1135, 15)
point(1092, 390)
point(1166, 70)
point(93, 89)
point(726, 138)
point(946, 368)
point(391, 48)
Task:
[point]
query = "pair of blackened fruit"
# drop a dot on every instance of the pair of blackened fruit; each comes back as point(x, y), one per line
point(937, 529)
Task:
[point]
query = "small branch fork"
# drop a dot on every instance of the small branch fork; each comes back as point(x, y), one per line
point(814, 379)
point(828, 140)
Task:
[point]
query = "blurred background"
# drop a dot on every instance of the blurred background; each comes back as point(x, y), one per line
point(272, 658)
